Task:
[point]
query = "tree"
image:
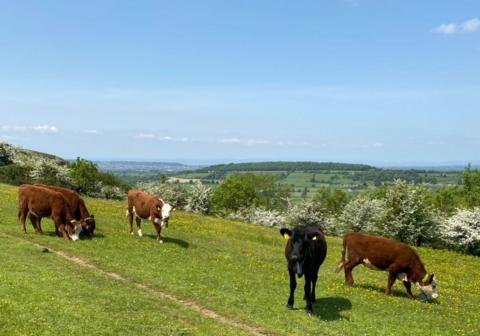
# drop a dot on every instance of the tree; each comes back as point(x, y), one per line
point(329, 201)
point(84, 174)
point(245, 190)
point(163, 178)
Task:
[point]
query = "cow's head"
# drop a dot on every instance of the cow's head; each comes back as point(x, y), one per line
point(428, 287)
point(298, 246)
point(165, 211)
point(88, 225)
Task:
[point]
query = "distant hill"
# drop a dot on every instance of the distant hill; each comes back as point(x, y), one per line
point(287, 166)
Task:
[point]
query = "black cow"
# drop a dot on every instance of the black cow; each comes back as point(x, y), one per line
point(305, 251)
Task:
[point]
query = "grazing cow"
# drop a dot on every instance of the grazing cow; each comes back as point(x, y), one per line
point(78, 208)
point(305, 251)
point(145, 206)
point(38, 202)
point(398, 259)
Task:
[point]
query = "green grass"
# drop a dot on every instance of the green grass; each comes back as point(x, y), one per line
point(233, 268)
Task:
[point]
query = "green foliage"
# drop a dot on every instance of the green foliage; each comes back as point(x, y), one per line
point(15, 174)
point(330, 201)
point(246, 190)
point(84, 174)
point(471, 186)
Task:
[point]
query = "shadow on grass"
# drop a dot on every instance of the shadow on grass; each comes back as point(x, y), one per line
point(170, 240)
point(331, 308)
point(82, 237)
point(395, 292)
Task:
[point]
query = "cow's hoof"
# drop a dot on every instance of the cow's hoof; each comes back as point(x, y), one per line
point(131, 233)
point(290, 305)
point(140, 233)
point(310, 313)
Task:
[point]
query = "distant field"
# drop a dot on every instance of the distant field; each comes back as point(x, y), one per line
point(237, 270)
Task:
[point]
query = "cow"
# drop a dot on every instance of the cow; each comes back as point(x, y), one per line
point(398, 259)
point(145, 206)
point(38, 202)
point(305, 251)
point(78, 208)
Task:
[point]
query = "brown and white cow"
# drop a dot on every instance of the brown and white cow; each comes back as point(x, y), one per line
point(145, 206)
point(398, 259)
point(38, 202)
point(78, 208)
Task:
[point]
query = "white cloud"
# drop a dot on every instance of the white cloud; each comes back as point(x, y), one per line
point(253, 142)
point(91, 131)
point(469, 26)
point(231, 140)
point(369, 145)
point(165, 138)
point(145, 136)
point(38, 128)
point(446, 28)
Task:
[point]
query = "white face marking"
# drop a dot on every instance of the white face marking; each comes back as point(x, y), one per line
point(140, 234)
point(430, 291)
point(76, 235)
point(166, 210)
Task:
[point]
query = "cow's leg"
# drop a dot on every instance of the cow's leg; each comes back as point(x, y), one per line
point(408, 287)
point(348, 268)
point(39, 224)
point(130, 220)
point(34, 221)
point(392, 276)
point(314, 284)
point(138, 221)
point(307, 291)
point(158, 228)
point(293, 286)
point(22, 215)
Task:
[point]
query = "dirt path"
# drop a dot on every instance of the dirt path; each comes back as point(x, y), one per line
point(254, 330)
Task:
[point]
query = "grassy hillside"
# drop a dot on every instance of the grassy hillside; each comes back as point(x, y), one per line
point(235, 269)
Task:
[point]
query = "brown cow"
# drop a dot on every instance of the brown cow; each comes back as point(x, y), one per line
point(146, 206)
point(38, 202)
point(384, 254)
point(78, 207)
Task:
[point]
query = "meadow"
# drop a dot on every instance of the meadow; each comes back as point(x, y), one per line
point(234, 269)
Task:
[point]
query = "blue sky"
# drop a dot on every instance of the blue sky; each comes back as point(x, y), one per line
point(339, 80)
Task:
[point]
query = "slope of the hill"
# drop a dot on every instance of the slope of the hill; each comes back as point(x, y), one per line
point(235, 269)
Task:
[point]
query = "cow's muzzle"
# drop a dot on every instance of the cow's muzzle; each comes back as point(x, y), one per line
point(299, 268)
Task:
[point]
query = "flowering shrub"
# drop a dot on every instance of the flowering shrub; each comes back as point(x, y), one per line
point(462, 231)
point(111, 192)
point(409, 217)
point(259, 216)
point(172, 193)
point(363, 214)
point(199, 199)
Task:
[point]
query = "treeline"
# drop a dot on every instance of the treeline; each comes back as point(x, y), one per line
point(286, 166)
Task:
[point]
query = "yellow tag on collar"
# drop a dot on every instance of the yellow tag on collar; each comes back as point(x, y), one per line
point(286, 236)
point(314, 238)
point(425, 278)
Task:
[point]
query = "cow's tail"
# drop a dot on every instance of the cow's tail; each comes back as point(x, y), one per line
point(342, 260)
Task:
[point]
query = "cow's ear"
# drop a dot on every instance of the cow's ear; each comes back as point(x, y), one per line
point(431, 278)
point(92, 216)
point(286, 233)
